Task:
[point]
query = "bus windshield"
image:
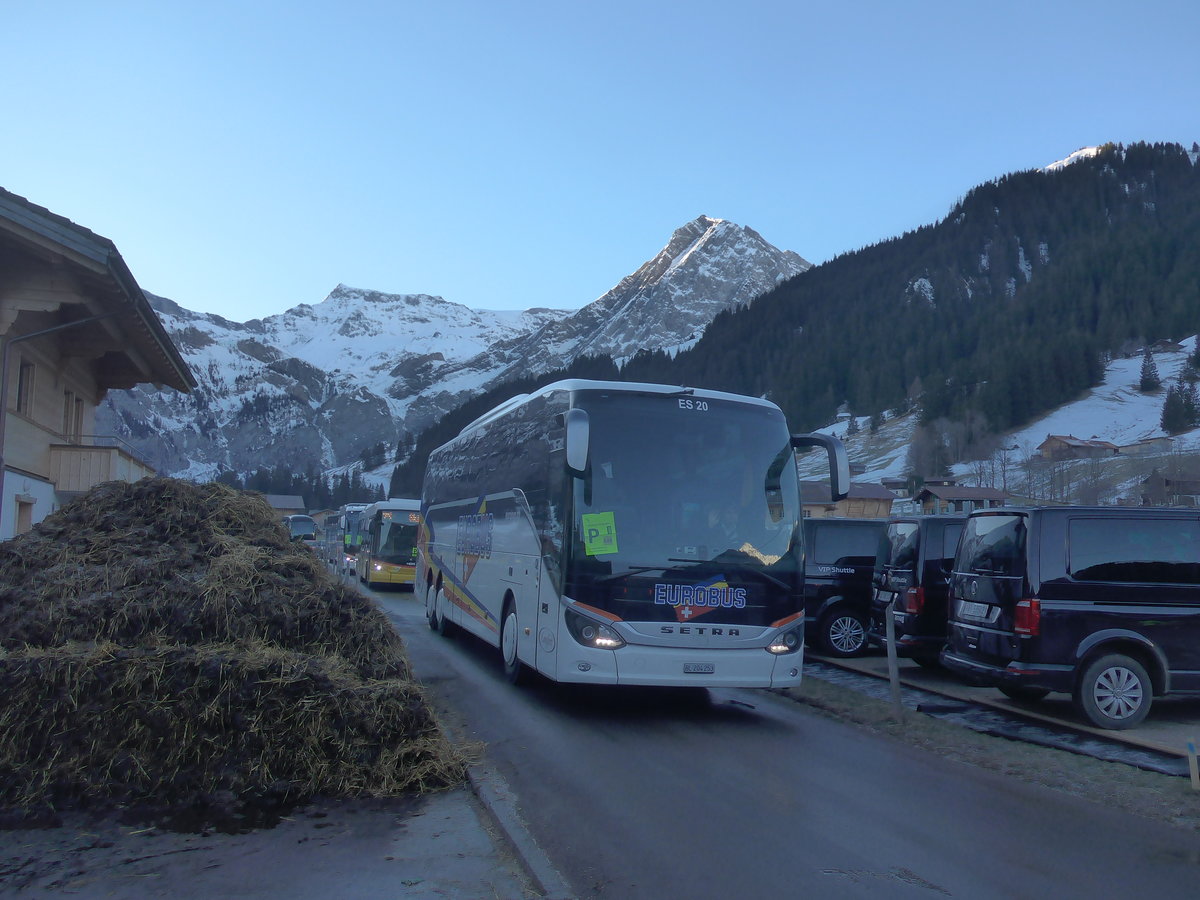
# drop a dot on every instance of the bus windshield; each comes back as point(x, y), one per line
point(352, 533)
point(397, 543)
point(683, 489)
point(302, 527)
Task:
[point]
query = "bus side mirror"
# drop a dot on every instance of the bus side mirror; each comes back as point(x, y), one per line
point(578, 438)
point(839, 463)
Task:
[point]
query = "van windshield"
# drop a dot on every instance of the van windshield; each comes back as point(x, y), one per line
point(993, 545)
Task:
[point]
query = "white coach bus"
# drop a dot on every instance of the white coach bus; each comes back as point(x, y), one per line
point(612, 533)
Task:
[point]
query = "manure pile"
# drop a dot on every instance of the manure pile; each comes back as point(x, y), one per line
point(165, 646)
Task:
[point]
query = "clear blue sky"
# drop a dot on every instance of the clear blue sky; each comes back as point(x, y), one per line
point(249, 156)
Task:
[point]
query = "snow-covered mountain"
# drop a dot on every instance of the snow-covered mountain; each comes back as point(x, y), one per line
point(317, 386)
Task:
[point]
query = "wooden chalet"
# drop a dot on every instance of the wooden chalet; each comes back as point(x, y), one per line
point(865, 501)
point(948, 497)
point(1067, 446)
point(74, 325)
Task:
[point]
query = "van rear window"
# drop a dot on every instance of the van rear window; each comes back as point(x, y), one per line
point(903, 542)
point(950, 536)
point(1135, 550)
point(993, 545)
point(848, 545)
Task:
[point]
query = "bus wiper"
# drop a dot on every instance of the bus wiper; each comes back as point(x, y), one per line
point(632, 570)
point(765, 575)
point(768, 577)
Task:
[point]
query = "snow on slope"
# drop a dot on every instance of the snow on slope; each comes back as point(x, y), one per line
point(1115, 411)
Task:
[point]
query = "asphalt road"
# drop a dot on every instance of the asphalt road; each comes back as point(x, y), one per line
point(649, 793)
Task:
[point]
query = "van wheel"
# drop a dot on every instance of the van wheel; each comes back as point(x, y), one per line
point(514, 670)
point(843, 633)
point(1114, 692)
point(1023, 693)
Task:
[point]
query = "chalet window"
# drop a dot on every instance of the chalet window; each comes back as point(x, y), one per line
point(25, 388)
point(72, 422)
point(68, 420)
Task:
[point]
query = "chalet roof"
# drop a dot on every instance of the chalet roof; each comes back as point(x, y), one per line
point(285, 501)
point(1071, 441)
point(1152, 440)
point(961, 492)
point(818, 492)
point(128, 338)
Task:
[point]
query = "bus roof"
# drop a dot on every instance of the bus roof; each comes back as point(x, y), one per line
point(622, 387)
point(394, 504)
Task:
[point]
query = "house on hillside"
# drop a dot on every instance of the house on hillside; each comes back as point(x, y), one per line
point(74, 325)
point(1148, 447)
point(1171, 490)
point(1067, 446)
point(287, 504)
point(1165, 346)
point(865, 501)
point(948, 497)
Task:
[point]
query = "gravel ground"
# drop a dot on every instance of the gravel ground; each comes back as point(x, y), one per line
point(1152, 795)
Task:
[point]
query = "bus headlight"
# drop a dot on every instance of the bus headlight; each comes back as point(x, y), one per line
point(787, 642)
point(591, 633)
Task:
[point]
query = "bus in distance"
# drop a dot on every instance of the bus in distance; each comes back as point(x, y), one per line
point(350, 533)
point(388, 552)
point(302, 528)
point(612, 533)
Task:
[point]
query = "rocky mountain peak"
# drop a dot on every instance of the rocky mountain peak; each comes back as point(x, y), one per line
point(321, 383)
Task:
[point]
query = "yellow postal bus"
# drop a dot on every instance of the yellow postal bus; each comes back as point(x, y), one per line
point(388, 554)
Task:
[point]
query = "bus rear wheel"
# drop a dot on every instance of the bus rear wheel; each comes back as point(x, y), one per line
point(514, 670)
point(431, 615)
point(439, 621)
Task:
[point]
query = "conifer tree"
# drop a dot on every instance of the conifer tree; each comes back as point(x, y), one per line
point(1174, 412)
point(1150, 381)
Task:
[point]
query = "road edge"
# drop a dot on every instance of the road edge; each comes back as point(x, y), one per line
point(500, 804)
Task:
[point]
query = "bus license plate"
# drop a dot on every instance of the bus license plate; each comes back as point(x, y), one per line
point(698, 668)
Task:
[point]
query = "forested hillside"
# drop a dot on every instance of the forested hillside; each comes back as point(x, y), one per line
point(1004, 309)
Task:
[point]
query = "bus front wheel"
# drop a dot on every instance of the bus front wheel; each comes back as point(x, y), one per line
point(514, 670)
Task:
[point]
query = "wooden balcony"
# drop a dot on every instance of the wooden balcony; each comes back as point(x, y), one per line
point(75, 468)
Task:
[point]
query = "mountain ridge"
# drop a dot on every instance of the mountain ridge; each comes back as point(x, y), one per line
point(330, 382)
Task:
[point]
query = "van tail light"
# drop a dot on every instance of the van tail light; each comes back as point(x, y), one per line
point(1028, 617)
point(914, 600)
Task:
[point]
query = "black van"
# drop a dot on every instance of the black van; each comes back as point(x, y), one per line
point(839, 562)
point(914, 566)
point(1102, 603)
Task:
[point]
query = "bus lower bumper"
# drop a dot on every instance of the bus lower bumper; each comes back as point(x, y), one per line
point(402, 575)
point(680, 667)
